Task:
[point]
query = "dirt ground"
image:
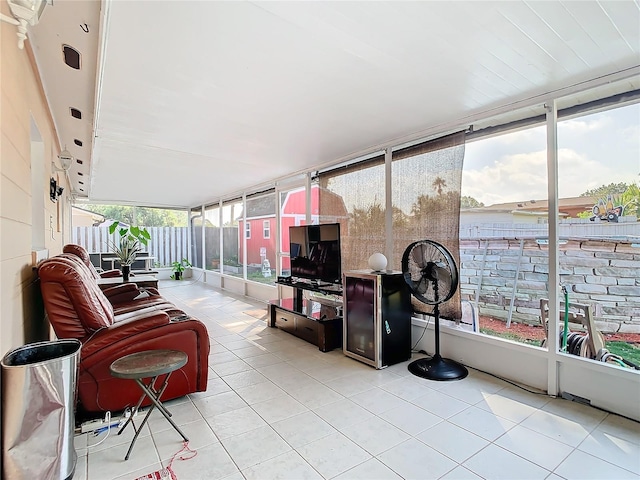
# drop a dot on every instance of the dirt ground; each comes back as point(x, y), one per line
point(533, 332)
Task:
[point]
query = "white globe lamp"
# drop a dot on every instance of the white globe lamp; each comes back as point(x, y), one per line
point(377, 262)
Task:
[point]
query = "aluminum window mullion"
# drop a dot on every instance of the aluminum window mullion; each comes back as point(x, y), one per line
point(220, 239)
point(554, 266)
point(388, 157)
point(202, 237)
point(244, 241)
point(307, 187)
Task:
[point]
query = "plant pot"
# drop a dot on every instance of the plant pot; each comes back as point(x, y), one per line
point(126, 271)
point(177, 275)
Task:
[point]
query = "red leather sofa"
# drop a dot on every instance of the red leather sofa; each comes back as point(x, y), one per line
point(77, 308)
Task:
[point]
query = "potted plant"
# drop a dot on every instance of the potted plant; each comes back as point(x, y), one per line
point(127, 247)
point(178, 268)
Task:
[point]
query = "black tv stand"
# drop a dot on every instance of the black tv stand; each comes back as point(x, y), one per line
point(314, 285)
point(315, 321)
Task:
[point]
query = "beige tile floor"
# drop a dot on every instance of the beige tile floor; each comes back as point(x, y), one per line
point(277, 408)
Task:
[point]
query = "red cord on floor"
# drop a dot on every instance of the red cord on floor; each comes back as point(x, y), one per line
point(185, 448)
point(168, 473)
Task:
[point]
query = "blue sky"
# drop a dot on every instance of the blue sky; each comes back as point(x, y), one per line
point(593, 150)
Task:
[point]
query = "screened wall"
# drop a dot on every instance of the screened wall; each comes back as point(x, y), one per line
point(354, 196)
point(486, 195)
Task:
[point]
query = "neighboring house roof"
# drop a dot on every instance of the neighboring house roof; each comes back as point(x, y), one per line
point(264, 206)
point(107, 222)
point(569, 206)
point(332, 202)
point(295, 198)
point(81, 212)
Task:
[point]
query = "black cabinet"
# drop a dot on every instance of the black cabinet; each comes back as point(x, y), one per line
point(377, 317)
point(317, 322)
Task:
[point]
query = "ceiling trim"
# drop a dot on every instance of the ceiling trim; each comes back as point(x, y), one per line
point(105, 15)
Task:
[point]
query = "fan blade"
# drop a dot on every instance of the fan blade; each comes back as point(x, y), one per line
point(441, 274)
point(419, 255)
point(422, 286)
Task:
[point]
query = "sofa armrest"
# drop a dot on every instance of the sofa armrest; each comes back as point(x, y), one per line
point(152, 291)
point(128, 292)
point(99, 391)
point(121, 293)
point(117, 332)
point(110, 273)
point(129, 311)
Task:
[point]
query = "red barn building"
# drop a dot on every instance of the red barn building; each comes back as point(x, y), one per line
point(260, 227)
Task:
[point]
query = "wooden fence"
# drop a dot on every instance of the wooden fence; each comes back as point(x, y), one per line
point(167, 244)
point(212, 245)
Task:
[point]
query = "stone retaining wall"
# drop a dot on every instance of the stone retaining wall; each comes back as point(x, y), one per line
point(602, 273)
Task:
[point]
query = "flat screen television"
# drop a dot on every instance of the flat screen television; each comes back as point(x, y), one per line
point(315, 252)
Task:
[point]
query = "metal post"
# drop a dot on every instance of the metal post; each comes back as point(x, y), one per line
point(388, 248)
point(515, 283)
point(554, 267)
point(484, 259)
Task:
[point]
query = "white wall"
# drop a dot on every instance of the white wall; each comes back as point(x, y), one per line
point(22, 105)
point(612, 388)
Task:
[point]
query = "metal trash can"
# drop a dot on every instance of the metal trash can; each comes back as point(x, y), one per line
point(38, 400)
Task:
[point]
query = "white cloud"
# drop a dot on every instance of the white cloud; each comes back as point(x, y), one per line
point(523, 177)
point(594, 150)
point(577, 173)
point(631, 134)
point(582, 125)
point(511, 178)
point(521, 136)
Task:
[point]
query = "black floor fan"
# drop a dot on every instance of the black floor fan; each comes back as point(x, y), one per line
point(432, 276)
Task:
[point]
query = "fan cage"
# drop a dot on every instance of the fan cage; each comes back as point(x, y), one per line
point(430, 272)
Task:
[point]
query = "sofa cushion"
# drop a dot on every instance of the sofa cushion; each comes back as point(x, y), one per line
point(70, 294)
point(82, 254)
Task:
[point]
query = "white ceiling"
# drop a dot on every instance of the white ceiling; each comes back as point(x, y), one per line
point(194, 101)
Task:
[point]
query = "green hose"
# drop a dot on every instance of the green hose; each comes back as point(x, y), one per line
point(619, 361)
point(566, 318)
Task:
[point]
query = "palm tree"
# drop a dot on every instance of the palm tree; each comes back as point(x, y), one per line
point(424, 206)
point(439, 184)
point(371, 218)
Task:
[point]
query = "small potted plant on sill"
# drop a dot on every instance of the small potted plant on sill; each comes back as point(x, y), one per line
point(128, 246)
point(178, 268)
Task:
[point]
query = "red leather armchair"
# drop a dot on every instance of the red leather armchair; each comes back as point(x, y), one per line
point(77, 308)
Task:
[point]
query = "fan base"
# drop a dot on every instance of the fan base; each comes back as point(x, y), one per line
point(438, 368)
